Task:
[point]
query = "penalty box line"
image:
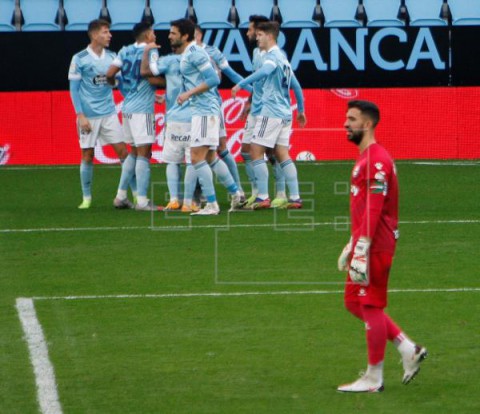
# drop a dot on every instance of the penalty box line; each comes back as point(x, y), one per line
point(47, 390)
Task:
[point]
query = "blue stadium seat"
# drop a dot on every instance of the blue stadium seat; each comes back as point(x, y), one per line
point(39, 15)
point(297, 13)
point(164, 11)
point(382, 13)
point(465, 12)
point(7, 7)
point(246, 8)
point(213, 14)
point(80, 13)
point(425, 12)
point(125, 13)
point(340, 13)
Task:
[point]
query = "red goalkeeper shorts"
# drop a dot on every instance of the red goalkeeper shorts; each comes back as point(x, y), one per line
point(375, 294)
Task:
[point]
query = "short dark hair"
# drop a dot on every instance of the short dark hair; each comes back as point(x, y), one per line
point(256, 19)
point(140, 28)
point(367, 108)
point(97, 24)
point(185, 27)
point(269, 27)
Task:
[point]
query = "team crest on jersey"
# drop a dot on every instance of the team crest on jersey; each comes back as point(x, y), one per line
point(356, 171)
point(354, 190)
point(378, 165)
point(379, 187)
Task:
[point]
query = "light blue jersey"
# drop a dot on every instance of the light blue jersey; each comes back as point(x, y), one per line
point(276, 97)
point(170, 67)
point(139, 93)
point(194, 63)
point(257, 63)
point(96, 98)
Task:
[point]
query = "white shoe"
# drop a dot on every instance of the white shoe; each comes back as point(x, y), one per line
point(238, 201)
point(211, 209)
point(122, 204)
point(411, 363)
point(363, 384)
point(147, 207)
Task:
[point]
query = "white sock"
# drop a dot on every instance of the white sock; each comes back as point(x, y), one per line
point(404, 345)
point(375, 372)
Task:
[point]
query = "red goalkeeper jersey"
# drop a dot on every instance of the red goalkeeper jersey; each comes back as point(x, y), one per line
point(374, 199)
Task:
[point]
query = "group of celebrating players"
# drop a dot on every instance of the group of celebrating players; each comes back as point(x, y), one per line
point(194, 132)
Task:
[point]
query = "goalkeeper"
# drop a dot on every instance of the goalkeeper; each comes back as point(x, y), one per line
point(368, 255)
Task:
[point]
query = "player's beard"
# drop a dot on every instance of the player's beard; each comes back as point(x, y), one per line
point(355, 136)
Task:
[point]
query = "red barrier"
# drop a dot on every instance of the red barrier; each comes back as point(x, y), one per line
point(417, 123)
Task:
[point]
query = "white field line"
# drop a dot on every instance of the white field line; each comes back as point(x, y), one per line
point(227, 294)
point(217, 226)
point(42, 367)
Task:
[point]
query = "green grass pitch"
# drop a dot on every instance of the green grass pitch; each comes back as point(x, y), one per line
point(274, 338)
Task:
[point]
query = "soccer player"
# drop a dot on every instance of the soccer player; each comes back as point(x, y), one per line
point(274, 123)
point(221, 64)
point(137, 112)
point(252, 110)
point(199, 82)
point(176, 146)
point(368, 255)
point(92, 99)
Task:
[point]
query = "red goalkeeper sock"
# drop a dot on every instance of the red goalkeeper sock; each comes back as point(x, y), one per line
point(376, 326)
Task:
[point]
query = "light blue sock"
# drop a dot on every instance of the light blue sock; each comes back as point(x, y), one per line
point(189, 184)
point(227, 157)
point(128, 173)
point(142, 171)
point(249, 170)
point(291, 178)
point(279, 177)
point(180, 186)
point(173, 180)
point(223, 174)
point(261, 176)
point(205, 176)
point(86, 178)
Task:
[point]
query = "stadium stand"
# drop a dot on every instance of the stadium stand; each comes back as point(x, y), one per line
point(465, 12)
point(245, 8)
point(425, 12)
point(7, 9)
point(298, 13)
point(164, 11)
point(80, 12)
point(40, 15)
point(382, 13)
point(218, 16)
point(340, 14)
point(125, 13)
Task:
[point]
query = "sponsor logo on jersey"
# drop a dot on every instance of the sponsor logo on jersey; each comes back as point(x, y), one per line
point(180, 138)
point(100, 80)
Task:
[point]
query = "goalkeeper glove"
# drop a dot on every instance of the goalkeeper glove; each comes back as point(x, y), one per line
point(344, 257)
point(359, 265)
